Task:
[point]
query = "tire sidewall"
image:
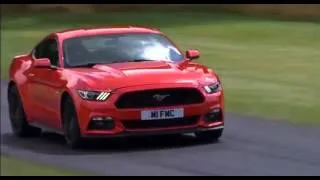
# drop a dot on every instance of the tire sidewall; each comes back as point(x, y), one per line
point(15, 106)
point(71, 126)
point(212, 135)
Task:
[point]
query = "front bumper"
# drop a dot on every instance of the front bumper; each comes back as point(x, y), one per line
point(147, 133)
point(90, 109)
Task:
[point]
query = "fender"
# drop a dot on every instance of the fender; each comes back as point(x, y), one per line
point(17, 76)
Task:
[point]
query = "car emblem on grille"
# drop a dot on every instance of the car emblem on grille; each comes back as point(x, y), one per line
point(159, 97)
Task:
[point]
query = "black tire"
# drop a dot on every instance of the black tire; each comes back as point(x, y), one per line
point(71, 126)
point(17, 116)
point(212, 135)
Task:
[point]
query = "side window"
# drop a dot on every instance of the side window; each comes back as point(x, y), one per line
point(48, 49)
point(38, 51)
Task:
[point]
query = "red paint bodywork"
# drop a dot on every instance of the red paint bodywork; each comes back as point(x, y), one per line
point(41, 89)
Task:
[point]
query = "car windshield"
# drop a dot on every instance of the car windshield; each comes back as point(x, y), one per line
point(114, 48)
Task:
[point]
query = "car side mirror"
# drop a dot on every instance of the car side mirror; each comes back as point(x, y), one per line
point(42, 63)
point(192, 54)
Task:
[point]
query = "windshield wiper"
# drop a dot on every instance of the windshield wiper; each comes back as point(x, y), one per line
point(139, 60)
point(86, 65)
point(133, 60)
point(93, 64)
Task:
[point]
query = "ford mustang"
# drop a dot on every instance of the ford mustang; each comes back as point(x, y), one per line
point(113, 81)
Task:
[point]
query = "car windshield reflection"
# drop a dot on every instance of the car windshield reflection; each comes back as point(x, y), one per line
point(114, 48)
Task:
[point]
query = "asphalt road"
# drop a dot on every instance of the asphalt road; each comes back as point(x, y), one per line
point(249, 146)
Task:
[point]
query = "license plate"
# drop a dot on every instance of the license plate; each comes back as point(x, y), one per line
point(162, 114)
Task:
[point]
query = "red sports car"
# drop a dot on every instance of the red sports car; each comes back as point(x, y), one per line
point(113, 81)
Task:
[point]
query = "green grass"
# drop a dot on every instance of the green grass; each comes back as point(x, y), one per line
point(16, 167)
point(269, 68)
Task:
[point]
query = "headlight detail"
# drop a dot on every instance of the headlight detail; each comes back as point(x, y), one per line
point(213, 88)
point(93, 95)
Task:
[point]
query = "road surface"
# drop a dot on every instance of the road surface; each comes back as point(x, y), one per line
point(249, 146)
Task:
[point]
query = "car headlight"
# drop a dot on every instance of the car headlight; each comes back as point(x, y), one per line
point(94, 95)
point(213, 88)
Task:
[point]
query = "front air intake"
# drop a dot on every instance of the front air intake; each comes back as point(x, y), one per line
point(160, 98)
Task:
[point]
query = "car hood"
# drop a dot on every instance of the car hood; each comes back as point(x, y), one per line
point(118, 75)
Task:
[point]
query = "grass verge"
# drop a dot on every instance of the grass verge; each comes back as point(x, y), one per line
point(269, 68)
point(16, 167)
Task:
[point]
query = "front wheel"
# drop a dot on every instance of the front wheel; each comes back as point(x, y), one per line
point(211, 135)
point(71, 126)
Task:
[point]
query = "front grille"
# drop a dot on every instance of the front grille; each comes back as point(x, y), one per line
point(146, 98)
point(160, 123)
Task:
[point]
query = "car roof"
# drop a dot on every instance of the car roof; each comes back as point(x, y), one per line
point(92, 31)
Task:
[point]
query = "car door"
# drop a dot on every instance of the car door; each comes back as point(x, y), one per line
point(45, 85)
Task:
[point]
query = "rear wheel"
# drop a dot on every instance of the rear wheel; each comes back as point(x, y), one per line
point(71, 126)
point(19, 123)
point(212, 135)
